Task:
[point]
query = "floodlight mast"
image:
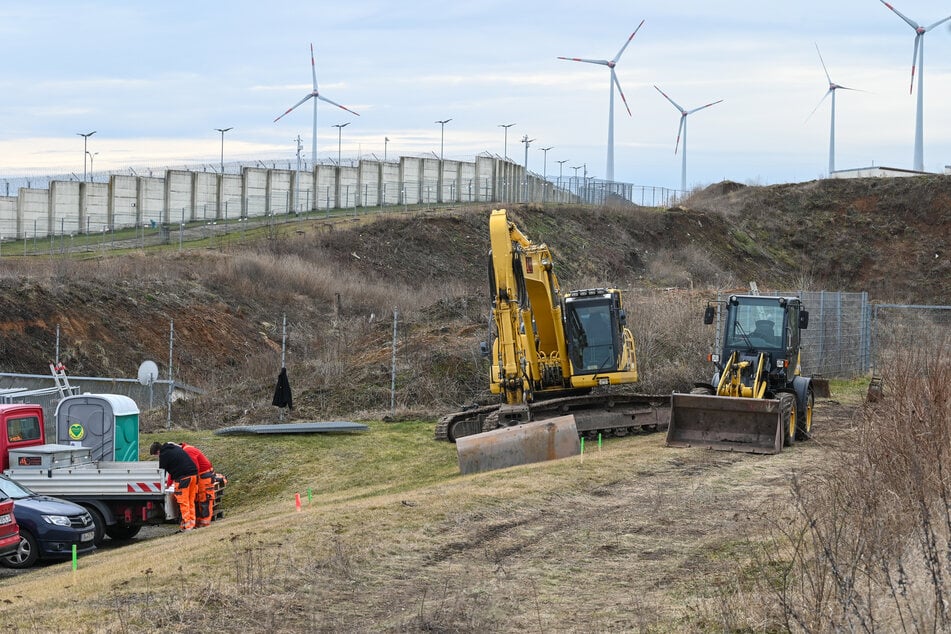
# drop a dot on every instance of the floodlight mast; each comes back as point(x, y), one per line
point(85, 136)
point(222, 131)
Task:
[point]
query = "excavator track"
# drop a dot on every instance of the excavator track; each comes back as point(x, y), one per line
point(608, 414)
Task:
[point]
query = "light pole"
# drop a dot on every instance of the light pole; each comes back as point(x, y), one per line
point(92, 155)
point(442, 129)
point(386, 140)
point(545, 161)
point(85, 151)
point(222, 131)
point(561, 167)
point(576, 168)
point(505, 127)
point(340, 127)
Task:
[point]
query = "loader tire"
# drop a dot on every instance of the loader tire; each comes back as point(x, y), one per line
point(804, 420)
point(787, 411)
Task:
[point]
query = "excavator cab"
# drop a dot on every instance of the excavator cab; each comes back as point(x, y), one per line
point(594, 323)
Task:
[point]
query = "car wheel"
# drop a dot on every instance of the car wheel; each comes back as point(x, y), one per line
point(26, 553)
point(99, 523)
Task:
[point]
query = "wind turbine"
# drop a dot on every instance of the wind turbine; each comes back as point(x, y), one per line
point(918, 56)
point(315, 95)
point(683, 130)
point(609, 172)
point(832, 88)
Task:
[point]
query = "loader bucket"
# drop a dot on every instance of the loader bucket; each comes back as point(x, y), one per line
point(520, 444)
point(725, 423)
point(820, 387)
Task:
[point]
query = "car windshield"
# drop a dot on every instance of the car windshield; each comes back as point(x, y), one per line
point(14, 490)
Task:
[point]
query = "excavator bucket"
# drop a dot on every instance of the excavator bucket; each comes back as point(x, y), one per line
point(725, 423)
point(520, 444)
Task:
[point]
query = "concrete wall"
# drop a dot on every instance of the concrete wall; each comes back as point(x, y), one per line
point(150, 201)
point(180, 195)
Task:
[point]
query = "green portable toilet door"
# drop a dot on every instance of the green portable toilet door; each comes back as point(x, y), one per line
point(127, 438)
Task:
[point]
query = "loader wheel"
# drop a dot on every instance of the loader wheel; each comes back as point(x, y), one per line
point(787, 411)
point(804, 426)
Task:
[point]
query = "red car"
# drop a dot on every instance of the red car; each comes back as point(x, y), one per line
point(9, 531)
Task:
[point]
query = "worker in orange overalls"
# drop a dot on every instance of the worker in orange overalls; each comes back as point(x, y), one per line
point(181, 469)
point(205, 496)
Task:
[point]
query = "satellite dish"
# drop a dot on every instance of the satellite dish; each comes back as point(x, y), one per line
point(148, 372)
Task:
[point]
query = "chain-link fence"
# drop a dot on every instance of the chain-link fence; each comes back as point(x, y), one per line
point(36, 389)
point(837, 342)
point(897, 326)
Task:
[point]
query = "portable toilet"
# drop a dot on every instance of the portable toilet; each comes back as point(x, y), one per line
point(108, 424)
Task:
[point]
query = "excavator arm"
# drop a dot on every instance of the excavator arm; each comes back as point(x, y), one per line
point(529, 350)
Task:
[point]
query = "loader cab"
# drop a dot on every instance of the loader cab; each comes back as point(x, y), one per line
point(756, 324)
point(594, 321)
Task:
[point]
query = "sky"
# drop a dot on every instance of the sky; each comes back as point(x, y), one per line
point(155, 80)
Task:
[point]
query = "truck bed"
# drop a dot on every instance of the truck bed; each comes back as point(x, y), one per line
point(64, 471)
point(113, 479)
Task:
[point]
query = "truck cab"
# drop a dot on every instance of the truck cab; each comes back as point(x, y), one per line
point(21, 426)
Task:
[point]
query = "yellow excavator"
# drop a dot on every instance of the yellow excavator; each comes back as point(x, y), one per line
point(757, 400)
point(553, 353)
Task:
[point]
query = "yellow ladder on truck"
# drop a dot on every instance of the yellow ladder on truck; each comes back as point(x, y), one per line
point(62, 381)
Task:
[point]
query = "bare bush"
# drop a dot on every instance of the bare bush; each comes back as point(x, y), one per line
point(670, 338)
point(869, 548)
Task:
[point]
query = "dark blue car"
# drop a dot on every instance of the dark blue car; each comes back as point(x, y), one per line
point(49, 527)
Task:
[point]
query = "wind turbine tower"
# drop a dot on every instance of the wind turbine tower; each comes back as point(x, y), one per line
point(315, 95)
point(918, 56)
point(609, 172)
point(682, 130)
point(832, 88)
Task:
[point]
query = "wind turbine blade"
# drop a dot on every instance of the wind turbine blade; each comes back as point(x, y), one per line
point(623, 98)
point(928, 28)
point(704, 106)
point(823, 64)
point(828, 92)
point(666, 96)
point(914, 60)
point(603, 62)
point(910, 22)
point(618, 56)
point(680, 129)
point(322, 98)
point(295, 105)
point(313, 66)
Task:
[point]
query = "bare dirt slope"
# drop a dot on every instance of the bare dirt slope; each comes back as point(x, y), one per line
point(339, 280)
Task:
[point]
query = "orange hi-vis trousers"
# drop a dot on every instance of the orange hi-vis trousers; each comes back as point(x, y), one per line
point(185, 489)
point(205, 498)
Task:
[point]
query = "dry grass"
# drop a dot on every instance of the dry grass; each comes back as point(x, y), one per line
point(868, 546)
point(611, 542)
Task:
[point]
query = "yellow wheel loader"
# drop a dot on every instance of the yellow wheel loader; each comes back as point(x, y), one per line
point(757, 400)
point(553, 354)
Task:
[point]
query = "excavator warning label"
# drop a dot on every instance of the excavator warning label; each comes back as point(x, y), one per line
point(28, 461)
